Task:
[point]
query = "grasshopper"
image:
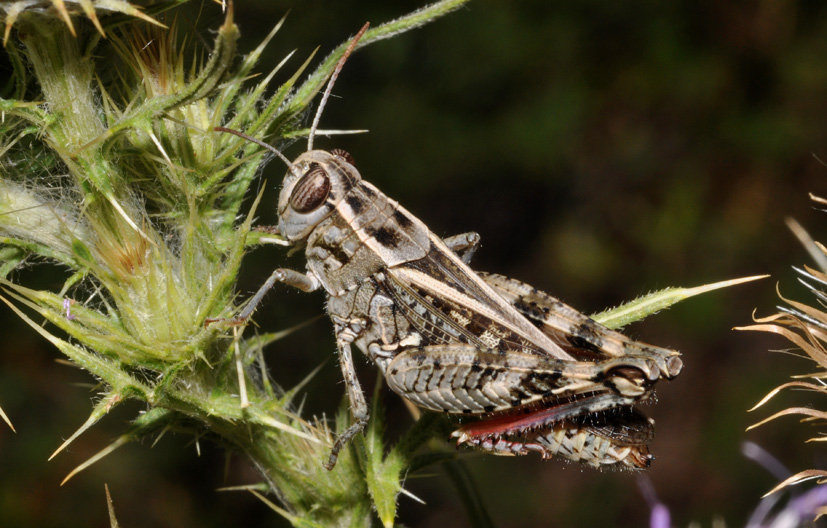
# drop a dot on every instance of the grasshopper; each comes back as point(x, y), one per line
point(534, 373)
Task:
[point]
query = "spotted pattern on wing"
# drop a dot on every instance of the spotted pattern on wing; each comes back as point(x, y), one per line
point(577, 334)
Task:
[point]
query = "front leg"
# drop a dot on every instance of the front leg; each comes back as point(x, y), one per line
point(358, 406)
point(306, 282)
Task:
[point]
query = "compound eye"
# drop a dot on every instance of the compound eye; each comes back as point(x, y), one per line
point(311, 191)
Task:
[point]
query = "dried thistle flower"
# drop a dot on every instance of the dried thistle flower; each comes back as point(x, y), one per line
point(805, 326)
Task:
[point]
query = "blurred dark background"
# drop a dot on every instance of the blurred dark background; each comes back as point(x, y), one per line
point(602, 150)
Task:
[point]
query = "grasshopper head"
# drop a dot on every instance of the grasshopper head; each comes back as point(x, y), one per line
point(314, 186)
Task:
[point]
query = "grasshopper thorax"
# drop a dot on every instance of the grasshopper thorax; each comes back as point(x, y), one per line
point(315, 184)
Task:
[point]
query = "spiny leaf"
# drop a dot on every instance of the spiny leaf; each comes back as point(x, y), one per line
point(103, 407)
point(6, 419)
point(142, 426)
point(257, 416)
point(110, 506)
point(387, 30)
point(106, 369)
point(296, 521)
point(123, 439)
point(381, 474)
point(647, 305)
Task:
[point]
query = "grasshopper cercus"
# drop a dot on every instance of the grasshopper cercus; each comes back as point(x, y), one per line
point(539, 375)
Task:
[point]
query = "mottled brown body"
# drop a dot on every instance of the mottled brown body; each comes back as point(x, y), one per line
point(540, 375)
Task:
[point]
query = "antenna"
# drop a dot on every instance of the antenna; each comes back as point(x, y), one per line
point(271, 148)
point(332, 80)
point(318, 115)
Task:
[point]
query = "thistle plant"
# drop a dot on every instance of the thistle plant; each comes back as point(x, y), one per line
point(110, 168)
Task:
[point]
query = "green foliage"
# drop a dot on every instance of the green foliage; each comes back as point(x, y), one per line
point(110, 168)
point(652, 303)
